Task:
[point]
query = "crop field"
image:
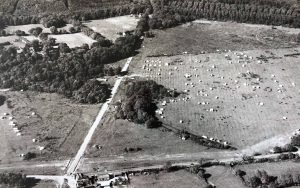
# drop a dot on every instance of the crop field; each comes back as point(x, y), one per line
point(178, 179)
point(110, 27)
point(49, 125)
point(209, 36)
point(232, 96)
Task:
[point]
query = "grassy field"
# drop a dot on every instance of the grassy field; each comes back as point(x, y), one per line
point(57, 124)
point(178, 179)
point(223, 177)
point(231, 99)
point(274, 169)
point(111, 26)
point(209, 36)
point(115, 135)
point(73, 40)
point(46, 184)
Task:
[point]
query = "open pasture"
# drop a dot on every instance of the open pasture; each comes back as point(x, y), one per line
point(249, 98)
point(73, 40)
point(178, 179)
point(49, 125)
point(110, 27)
point(209, 36)
point(222, 176)
point(273, 169)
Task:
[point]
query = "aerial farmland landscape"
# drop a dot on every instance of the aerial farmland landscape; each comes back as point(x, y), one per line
point(149, 93)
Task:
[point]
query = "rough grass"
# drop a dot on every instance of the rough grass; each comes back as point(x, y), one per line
point(178, 179)
point(209, 36)
point(58, 124)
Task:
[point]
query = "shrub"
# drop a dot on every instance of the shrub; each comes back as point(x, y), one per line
point(20, 33)
point(29, 156)
point(295, 141)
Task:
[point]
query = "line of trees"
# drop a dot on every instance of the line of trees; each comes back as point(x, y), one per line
point(60, 19)
point(262, 179)
point(259, 11)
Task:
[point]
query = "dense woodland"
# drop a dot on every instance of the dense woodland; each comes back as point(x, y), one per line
point(172, 12)
point(48, 67)
point(139, 105)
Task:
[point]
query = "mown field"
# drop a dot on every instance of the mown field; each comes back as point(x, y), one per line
point(231, 96)
point(178, 179)
point(273, 169)
point(56, 123)
point(224, 177)
point(232, 99)
point(110, 27)
point(209, 36)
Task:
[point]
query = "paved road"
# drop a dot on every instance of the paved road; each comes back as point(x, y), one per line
point(74, 164)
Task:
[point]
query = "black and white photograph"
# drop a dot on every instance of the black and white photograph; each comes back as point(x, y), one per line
point(149, 93)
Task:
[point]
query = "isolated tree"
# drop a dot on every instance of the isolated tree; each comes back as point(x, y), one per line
point(36, 31)
point(52, 41)
point(295, 140)
point(44, 36)
point(72, 30)
point(255, 181)
point(20, 33)
point(35, 45)
point(53, 30)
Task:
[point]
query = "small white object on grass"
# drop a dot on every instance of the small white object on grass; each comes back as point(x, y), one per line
point(41, 148)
